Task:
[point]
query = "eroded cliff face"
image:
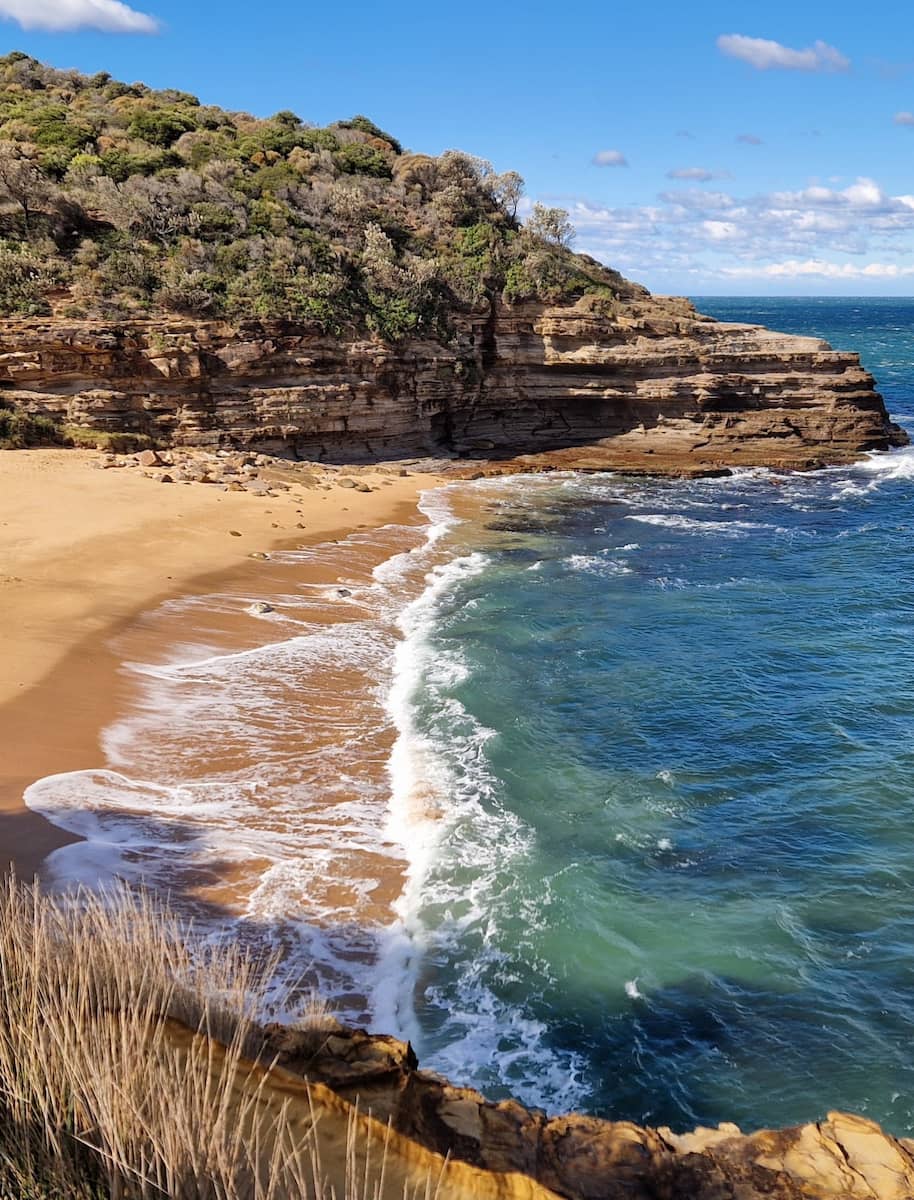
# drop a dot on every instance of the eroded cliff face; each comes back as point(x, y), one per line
point(647, 385)
point(469, 1147)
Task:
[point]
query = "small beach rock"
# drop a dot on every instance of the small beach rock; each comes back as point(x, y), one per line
point(148, 458)
point(346, 482)
point(260, 608)
point(234, 533)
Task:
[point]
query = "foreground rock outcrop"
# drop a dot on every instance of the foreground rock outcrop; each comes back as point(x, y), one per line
point(506, 1150)
point(642, 383)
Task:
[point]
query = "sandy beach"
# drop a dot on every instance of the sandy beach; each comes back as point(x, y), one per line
point(86, 554)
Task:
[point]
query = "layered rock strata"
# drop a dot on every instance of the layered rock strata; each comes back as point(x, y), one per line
point(579, 1157)
point(646, 384)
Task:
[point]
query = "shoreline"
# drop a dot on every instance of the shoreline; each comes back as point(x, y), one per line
point(88, 556)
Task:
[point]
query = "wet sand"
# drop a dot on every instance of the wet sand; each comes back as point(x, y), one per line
point(86, 557)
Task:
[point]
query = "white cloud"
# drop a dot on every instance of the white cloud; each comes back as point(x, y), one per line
point(865, 193)
point(720, 231)
point(793, 269)
point(59, 16)
point(610, 158)
point(858, 231)
point(695, 174)
point(904, 118)
point(767, 55)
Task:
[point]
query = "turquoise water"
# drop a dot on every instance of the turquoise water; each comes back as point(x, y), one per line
point(673, 726)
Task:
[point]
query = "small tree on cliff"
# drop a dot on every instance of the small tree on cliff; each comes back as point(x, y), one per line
point(551, 224)
point(507, 191)
point(21, 182)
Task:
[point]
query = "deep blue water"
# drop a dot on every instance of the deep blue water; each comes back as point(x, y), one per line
point(672, 729)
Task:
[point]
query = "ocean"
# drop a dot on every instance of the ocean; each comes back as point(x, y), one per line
point(619, 812)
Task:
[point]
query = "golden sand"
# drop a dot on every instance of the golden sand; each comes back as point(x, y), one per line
point(85, 554)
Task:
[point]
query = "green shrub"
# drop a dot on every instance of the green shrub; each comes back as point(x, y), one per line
point(355, 158)
point(365, 126)
point(317, 139)
point(55, 126)
point(24, 279)
point(519, 284)
point(19, 429)
point(288, 118)
point(214, 220)
point(161, 126)
point(391, 317)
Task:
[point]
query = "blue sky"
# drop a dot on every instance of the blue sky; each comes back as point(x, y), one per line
point(698, 150)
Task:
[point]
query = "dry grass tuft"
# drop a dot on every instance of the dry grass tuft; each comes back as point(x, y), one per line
point(98, 1100)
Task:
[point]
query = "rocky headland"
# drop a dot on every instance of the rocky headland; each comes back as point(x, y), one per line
point(650, 385)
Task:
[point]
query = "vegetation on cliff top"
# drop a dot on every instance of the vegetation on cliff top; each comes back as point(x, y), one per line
point(119, 201)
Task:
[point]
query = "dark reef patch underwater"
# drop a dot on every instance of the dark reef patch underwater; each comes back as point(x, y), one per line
point(674, 723)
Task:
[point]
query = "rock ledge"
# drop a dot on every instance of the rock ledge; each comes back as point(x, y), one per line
point(642, 384)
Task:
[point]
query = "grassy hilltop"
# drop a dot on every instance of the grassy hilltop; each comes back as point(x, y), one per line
point(119, 201)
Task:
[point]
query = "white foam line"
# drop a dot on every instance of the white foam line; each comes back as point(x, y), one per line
point(217, 659)
point(415, 780)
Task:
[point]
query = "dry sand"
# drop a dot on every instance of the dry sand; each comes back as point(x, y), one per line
point(84, 552)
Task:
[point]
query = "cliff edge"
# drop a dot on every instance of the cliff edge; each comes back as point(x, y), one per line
point(639, 383)
point(579, 1157)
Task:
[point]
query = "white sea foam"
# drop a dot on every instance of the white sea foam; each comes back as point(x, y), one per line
point(597, 564)
point(631, 989)
point(458, 840)
point(419, 791)
point(893, 464)
point(692, 525)
point(873, 472)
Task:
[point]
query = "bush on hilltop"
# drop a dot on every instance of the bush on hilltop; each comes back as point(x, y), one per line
point(118, 201)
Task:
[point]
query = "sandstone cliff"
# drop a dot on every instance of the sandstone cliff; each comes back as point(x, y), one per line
point(643, 383)
point(505, 1150)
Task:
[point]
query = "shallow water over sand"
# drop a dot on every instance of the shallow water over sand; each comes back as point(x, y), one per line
point(247, 775)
